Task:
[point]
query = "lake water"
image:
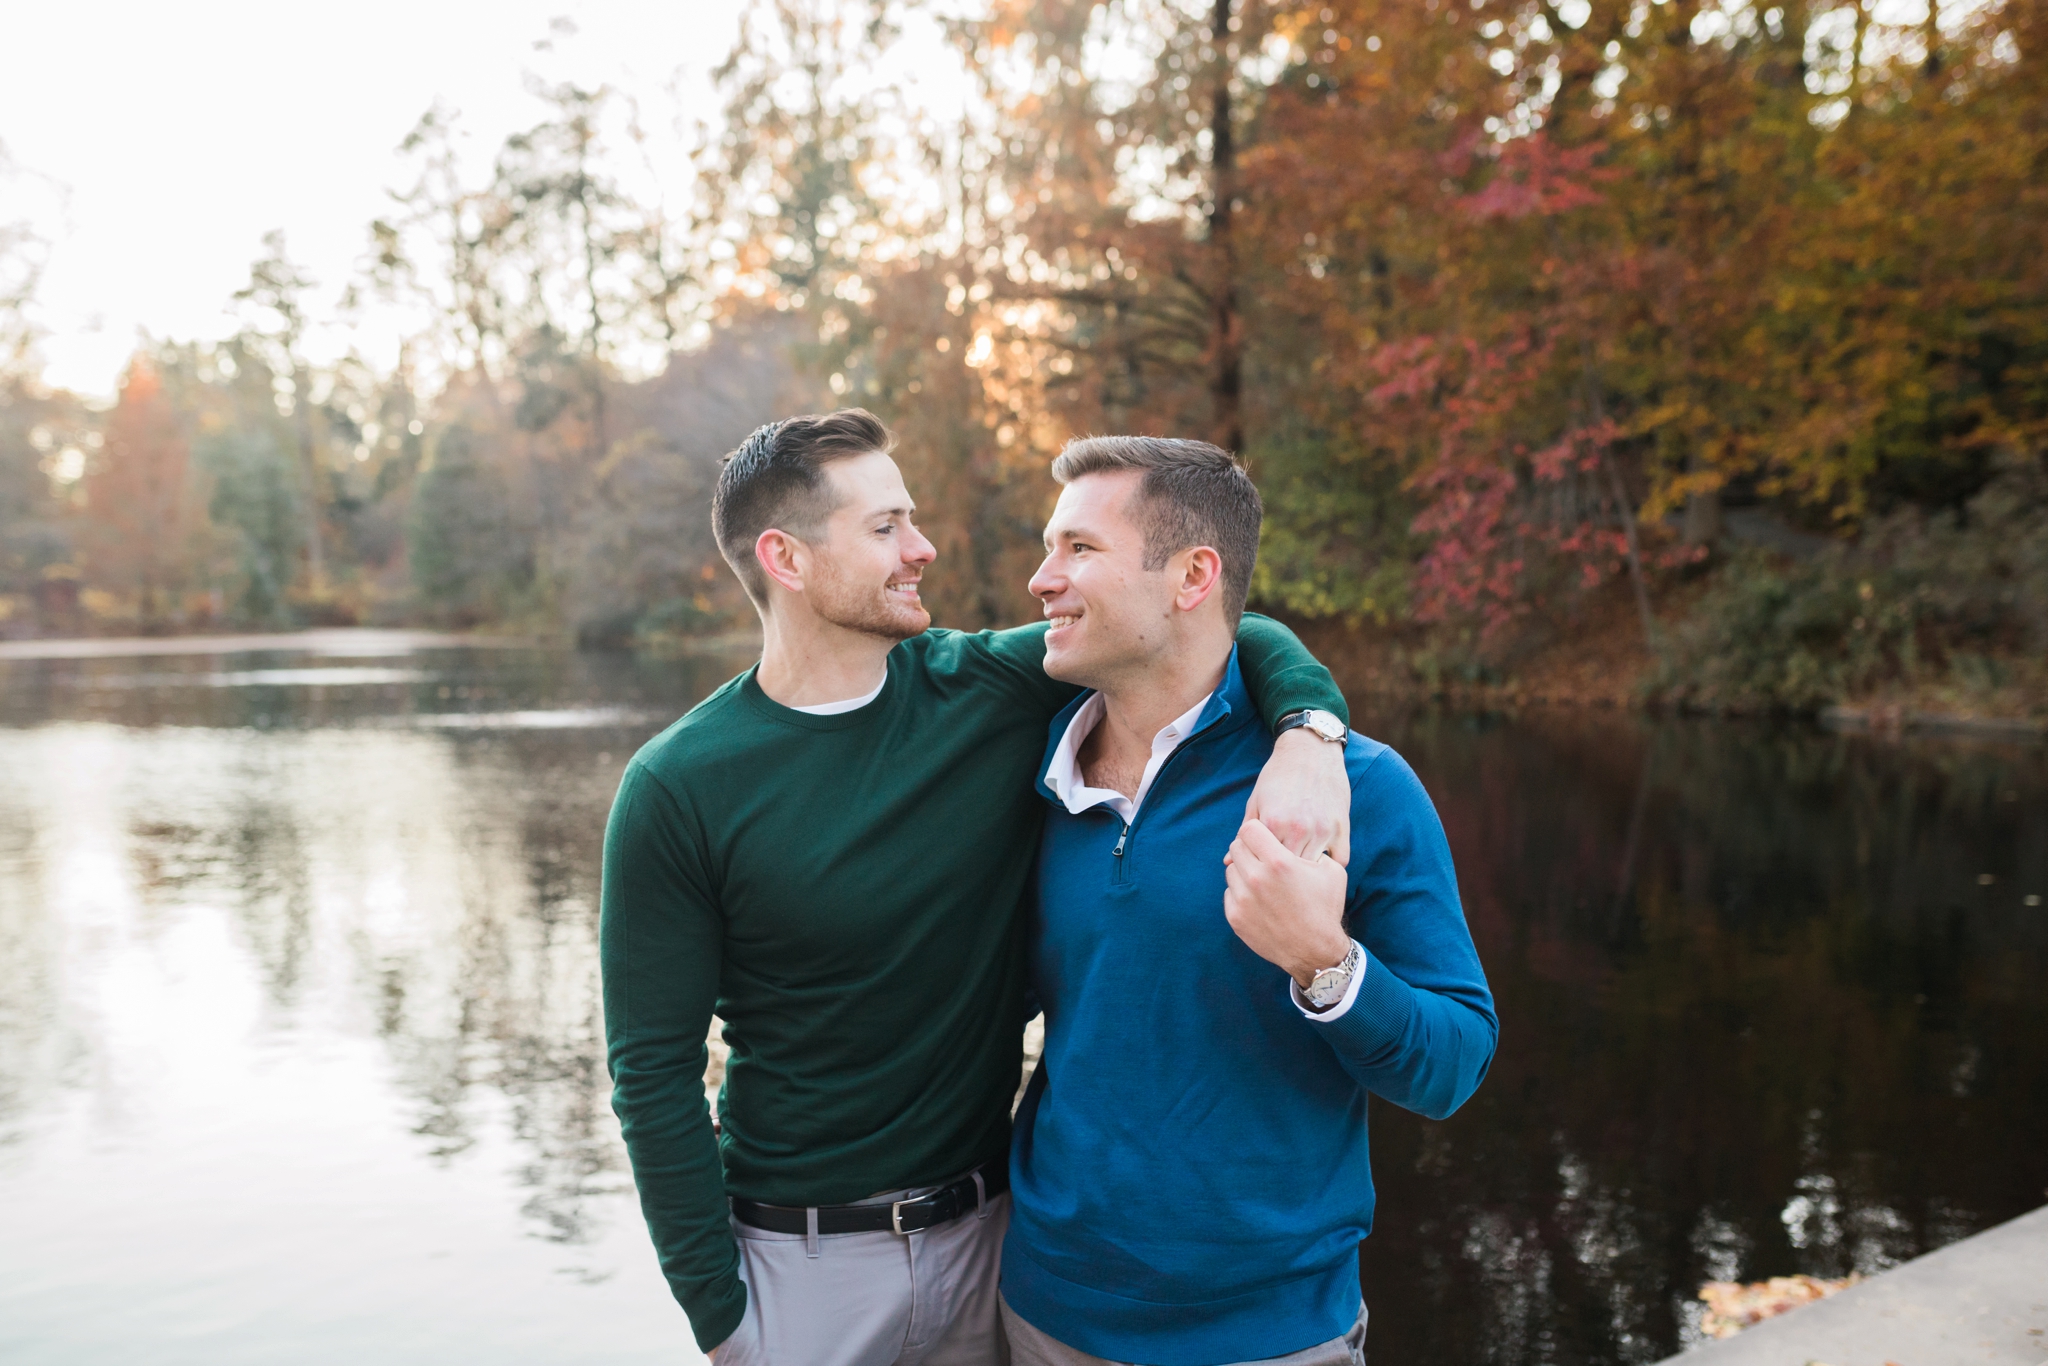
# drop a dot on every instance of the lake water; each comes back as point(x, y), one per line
point(301, 1048)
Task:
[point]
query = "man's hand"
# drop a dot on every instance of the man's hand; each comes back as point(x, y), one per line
point(1303, 797)
point(1289, 910)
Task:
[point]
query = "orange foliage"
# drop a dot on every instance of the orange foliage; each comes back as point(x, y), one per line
point(1559, 281)
point(140, 513)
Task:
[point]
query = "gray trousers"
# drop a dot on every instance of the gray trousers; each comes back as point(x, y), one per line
point(873, 1299)
point(1030, 1347)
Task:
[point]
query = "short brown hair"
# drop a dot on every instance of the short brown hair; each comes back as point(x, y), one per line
point(1192, 494)
point(777, 479)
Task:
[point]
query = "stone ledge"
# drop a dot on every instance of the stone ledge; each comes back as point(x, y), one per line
point(1980, 1302)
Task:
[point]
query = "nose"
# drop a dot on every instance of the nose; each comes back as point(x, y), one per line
point(1047, 583)
point(916, 549)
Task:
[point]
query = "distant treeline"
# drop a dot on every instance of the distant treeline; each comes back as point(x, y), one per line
point(1736, 311)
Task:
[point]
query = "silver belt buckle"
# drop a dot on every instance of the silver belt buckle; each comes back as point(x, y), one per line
point(896, 1216)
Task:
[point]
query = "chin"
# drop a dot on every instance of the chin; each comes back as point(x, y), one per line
point(1066, 666)
point(903, 621)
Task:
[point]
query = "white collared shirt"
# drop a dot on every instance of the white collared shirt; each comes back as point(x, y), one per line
point(1063, 775)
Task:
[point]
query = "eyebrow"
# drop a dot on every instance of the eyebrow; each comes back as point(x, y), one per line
point(1072, 533)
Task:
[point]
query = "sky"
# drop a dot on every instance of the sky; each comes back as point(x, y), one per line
point(154, 145)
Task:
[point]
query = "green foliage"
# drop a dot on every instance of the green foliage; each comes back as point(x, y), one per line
point(1921, 601)
point(669, 625)
point(1795, 637)
point(473, 560)
point(32, 537)
point(258, 500)
point(1336, 539)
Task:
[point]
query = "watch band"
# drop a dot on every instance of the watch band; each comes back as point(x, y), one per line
point(1307, 718)
point(1324, 994)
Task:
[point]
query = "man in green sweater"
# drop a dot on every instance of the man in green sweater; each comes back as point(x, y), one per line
point(832, 853)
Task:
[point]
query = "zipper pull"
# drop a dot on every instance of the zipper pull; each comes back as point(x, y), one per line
point(1118, 852)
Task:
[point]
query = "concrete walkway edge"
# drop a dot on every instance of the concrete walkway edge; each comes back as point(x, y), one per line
point(1983, 1301)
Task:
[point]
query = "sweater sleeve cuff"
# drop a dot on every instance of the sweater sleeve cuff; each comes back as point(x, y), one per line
point(1383, 1011)
point(1337, 1011)
point(721, 1322)
point(1280, 673)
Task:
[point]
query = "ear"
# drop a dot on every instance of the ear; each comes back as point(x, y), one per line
point(783, 558)
point(1200, 574)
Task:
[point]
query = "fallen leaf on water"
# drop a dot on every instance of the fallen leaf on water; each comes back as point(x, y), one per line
point(1732, 1307)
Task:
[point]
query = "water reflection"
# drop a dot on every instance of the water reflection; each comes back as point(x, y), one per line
point(1770, 1003)
point(301, 1049)
point(202, 926)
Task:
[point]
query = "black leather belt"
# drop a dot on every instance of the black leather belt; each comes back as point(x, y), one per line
point(942, 1206)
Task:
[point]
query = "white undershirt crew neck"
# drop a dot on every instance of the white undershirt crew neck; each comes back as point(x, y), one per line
point(848, 704)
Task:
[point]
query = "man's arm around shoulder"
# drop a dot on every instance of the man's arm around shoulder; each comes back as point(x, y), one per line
point(1302, 794)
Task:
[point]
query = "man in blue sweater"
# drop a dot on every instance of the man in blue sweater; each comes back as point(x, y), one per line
point(1189, 1174)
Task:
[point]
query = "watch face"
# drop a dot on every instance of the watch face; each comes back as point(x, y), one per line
point(1327, 987)
point(1326, 725)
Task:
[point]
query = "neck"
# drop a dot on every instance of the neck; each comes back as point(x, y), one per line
point(1138, 707)
point(807, 661)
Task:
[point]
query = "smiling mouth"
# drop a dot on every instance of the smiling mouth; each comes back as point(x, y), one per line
point(1057, 620)
point(907, 588)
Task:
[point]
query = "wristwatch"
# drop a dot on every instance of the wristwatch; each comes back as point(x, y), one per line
point(1323, 725)
point(1328, 986)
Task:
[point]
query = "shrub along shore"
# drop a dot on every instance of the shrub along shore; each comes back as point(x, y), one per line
point(1927, 621)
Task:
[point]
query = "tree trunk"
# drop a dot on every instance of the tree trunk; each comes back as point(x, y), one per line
point(302, 419)
point(1856, 54)
point(1702, 511)
point(598, 439)
point(1625, 511)
point(1226, 382)
point(1702, 519)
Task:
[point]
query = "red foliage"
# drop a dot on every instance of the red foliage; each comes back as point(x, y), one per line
point(1535, 176)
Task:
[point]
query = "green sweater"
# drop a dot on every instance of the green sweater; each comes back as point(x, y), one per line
point(848, 894)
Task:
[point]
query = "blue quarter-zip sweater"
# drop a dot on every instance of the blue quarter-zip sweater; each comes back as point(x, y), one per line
point(1189, 1175)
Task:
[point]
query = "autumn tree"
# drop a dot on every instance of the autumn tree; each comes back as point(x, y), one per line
point(140, 513)
point(1513, 306)
point(1522, 293)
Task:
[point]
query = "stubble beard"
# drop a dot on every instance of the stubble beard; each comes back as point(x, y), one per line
point(868, 609)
